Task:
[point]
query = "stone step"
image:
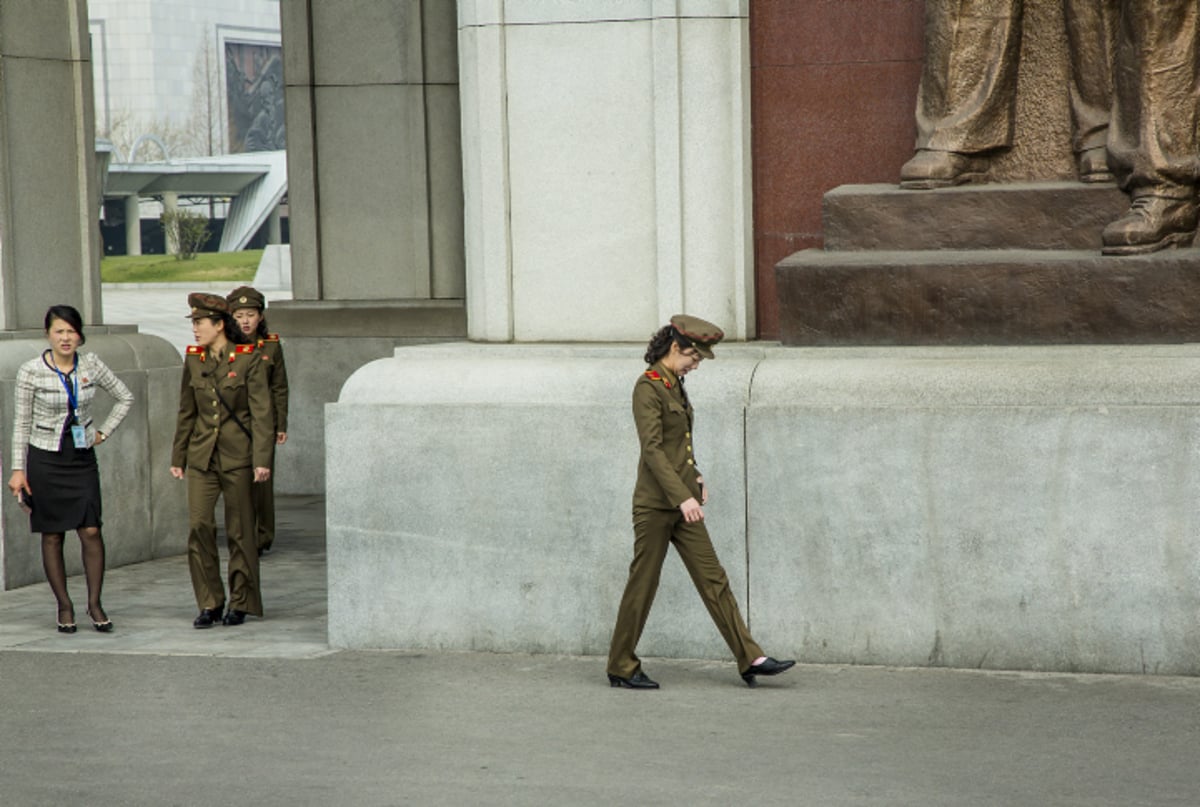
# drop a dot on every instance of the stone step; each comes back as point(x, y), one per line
point(1031, 215)
point(981, 297)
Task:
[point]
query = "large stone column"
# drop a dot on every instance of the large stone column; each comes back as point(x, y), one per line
point(48, 206)
point(607, 160)
point(375, 198)
point(50, 253)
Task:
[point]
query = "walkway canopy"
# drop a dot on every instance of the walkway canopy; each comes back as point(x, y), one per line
point(255, 182)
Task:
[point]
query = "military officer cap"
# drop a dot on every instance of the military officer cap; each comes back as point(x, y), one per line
point(204, 304)
point(701, 333)
point(246, 297)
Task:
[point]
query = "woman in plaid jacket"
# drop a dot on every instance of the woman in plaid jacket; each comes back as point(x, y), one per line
point(55, 476)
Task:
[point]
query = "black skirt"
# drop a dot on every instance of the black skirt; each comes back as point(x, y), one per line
point(66, 488)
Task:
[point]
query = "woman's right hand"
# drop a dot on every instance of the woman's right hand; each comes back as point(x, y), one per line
point(17, 482)
point(176, 472)
point(691, 511)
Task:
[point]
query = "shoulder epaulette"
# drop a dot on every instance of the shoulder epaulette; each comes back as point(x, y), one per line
point(196, 350)
point(653, 375)
point(272, 337)
point(243, 348)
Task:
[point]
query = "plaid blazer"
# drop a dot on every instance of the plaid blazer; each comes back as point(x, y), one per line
point(41, 412)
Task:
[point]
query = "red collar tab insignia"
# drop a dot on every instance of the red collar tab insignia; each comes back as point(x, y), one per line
point(653, 374)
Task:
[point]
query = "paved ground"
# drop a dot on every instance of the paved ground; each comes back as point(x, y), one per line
point(161, 308)
point(158, 713)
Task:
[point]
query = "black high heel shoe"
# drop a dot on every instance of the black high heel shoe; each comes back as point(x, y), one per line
point(65, 627)
point(104, 627)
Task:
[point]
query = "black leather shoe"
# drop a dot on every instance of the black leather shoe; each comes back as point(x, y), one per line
point(639, 680)
point(768, 666)
point(234, 618)
point(208, 617)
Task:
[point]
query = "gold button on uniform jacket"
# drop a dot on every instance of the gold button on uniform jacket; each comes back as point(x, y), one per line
point(206, 426)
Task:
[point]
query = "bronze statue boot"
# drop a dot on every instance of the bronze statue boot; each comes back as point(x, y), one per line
point(1093, 165)
point(930, 169)
point(1152, 223)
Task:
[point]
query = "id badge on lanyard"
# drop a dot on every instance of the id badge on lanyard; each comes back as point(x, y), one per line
point(78, 433)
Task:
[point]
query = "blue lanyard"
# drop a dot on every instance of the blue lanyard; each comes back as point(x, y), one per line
point(72, 390)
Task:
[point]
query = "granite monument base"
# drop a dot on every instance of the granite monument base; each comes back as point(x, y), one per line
point(324, 342)
point(995, 507)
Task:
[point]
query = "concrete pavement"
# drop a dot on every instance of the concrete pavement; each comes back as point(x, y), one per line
point(160, 309)
point(158, 713)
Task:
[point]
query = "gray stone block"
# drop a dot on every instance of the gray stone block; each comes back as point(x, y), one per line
point(977, 507)
point(500, 496)
point(1039, 516)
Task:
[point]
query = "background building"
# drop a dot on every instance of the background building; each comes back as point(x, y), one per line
point(195, 73)
point(186, 80)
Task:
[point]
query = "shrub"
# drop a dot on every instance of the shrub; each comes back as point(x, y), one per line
point(186, 232)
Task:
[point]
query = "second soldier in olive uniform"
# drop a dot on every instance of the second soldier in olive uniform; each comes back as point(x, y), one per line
point(247, 304)
point(224, 442)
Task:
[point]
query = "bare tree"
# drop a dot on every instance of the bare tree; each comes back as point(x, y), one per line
point(207, 118)
point(201, 134)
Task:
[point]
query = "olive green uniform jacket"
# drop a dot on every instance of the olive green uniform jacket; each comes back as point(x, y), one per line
point(270, 354)
point(667, 473)
point(206, 426)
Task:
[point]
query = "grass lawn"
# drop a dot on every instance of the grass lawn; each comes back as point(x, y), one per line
point(208, 266)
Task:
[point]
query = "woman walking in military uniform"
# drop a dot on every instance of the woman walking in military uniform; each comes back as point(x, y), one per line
point(224, 443)
point(668, 509)
point(55, 475)
point(247, 304)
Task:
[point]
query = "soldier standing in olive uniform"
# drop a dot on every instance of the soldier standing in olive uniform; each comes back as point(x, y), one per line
point(224, 442)
point(667, 509)
point(247, 303)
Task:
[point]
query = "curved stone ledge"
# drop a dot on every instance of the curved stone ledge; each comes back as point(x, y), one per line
point(1028, 508)
point(145, 510)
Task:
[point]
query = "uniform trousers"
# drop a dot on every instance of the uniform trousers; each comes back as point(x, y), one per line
point(263, 494)
point(654, 530)
point(204, 486)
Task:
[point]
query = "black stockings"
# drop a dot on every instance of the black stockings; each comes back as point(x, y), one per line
point(91, 544)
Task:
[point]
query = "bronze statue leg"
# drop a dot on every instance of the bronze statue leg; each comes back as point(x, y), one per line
point(966, 105)
point(967, 100)
point(1155, 111)
point(1152, 142)
point(1091, 40)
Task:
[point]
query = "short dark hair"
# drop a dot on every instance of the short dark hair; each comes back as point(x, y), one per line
point(67, 314)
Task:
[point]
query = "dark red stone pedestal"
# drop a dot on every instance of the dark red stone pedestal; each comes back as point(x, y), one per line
point(982, 265)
